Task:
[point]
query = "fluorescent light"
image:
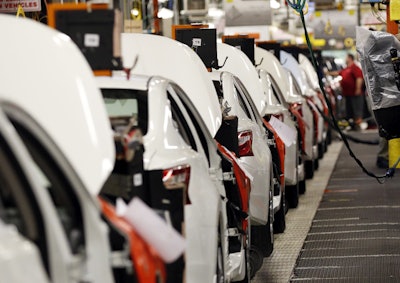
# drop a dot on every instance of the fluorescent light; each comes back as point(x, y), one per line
point(215, 13)
point(275, 4)
point(165, 13)
point(135, 12)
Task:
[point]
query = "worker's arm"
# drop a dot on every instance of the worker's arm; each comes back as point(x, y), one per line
point(332, 73)
point(359, 84)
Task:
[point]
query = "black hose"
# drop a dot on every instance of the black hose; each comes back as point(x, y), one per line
point(380, 179)
point(349, 137)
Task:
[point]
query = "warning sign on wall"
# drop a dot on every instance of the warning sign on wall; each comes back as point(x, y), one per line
point(11, 6)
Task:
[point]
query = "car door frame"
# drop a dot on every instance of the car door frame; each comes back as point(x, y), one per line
point(65, 264)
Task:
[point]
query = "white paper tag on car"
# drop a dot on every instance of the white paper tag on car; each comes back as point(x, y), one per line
point(287, 134)
point(196, 42)
point(138, 179)
point(91, 40)
point(120, 207)
point(168, 243)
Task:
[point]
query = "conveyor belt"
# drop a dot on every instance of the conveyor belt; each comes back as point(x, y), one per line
point(355, 235)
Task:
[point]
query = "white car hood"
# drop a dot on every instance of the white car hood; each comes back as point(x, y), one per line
point(272, 65)
point(51, 81)
point(162, 56)
point(290, 63)
point(294, 96)
point(308, 67)
point(281, 76)
point(240, 65)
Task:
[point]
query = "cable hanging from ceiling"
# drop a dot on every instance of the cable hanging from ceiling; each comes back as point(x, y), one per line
point(298, 6)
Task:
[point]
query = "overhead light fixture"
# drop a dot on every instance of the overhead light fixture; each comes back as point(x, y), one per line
point(215, 13)
point(275, 4)
point(165, 13)
point(135, 12)
point(332, 42)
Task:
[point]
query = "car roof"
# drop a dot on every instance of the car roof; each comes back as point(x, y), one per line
point(162, 56)
point(272, 65)
point(289, 62)
point(240, 65)
point(308, 67)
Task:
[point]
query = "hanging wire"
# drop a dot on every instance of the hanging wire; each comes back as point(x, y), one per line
point(377, 14)
point(298, 7)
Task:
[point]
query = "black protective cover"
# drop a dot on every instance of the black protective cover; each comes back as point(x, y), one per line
point(121, 182)
point(207, 47)
point(292, 49)
point(272, 47)
point(173, 202)
point(243, 43)
point(227, 134)
point(388, 121)
point(78, 24)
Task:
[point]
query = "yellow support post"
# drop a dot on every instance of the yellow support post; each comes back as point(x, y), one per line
point(394, 144)
point(394, 10)
point(394, 152)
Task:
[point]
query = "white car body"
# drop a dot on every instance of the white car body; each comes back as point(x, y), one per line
point(173, 60)
point(295, 96)
point(165, 148)
point(308, 67)
point(312, 79)
point(292, 168)
point(289, 62)
point(161, 56)
point(62, 108)
point(282, 77)
point(17, 253)
point(272, 66)
point(311, 149)
point(240, 65)
point(260, 164)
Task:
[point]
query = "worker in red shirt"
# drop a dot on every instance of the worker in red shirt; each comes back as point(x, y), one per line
point(352, 89)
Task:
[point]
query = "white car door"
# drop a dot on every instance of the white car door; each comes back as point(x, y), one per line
point(77, 240)
point(206, 201)
point(260, 145)
point(22, 243)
